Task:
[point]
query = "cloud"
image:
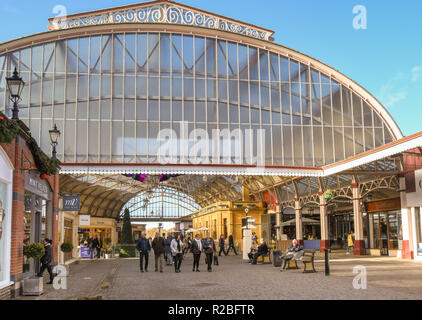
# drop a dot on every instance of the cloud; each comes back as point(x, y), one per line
point(416, 73)
point(399, 87)
point(8, 9)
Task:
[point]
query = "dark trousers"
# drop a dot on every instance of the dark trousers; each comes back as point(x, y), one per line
point(234, 249)
point(50, 271)
point(222, 250)
point(196, 257)
point(143, 255)
point(178, 261)
point(255, 257)
point(209, 257)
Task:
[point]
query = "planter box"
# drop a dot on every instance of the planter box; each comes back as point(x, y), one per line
point(33, 286)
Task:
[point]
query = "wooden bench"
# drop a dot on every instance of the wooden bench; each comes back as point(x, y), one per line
point(308, 260)
point(267, 255)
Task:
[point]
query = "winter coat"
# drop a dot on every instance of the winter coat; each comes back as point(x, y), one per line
point(168, 243)
point(48, 255)
point(221, 242)
point(209, 245)
point(158, 245)
point(143, 244)
point(195, 248)
point(173, 247)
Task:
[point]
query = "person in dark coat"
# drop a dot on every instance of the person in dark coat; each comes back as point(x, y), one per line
point(262, 249)
point(231, 244)
point(209, 248)
point(46, 260)
point(167, 250)
point(196, 249)
point(221, 243)
point(95, 245)
point(158, 245)
point(142, 245)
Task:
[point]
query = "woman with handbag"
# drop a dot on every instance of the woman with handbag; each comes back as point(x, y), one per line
point(177, 252)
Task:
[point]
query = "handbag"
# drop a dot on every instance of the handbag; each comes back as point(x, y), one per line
point(215, 260)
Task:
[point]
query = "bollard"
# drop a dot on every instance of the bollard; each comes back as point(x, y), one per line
point(327, 265)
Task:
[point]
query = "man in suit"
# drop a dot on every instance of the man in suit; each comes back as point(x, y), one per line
point(143, 246)
point(262, 249)
point(158, 245)
point(196, 249)
point(209, 249)
point(46, 260)
point(231, 244)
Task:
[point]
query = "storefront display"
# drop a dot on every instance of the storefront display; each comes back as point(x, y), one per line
point(6, 172)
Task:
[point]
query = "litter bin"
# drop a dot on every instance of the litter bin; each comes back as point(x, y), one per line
point(277, 258)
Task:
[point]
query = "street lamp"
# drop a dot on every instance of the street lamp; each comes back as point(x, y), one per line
point(15, 85)
point(54, 137)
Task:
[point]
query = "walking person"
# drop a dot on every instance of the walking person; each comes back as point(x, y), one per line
point(221, 243)
point(209, 248)
point(158, 245)
point(231, 244)
point(95, 245)
point(196, 249)
point(142, 245)
point(167, 250)
point(350, 243)
point(46, 260)
point(177, 252)
point(99, 247)
point(91, 248)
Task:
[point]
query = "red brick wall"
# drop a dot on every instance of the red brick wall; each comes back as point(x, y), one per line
point(22, 160)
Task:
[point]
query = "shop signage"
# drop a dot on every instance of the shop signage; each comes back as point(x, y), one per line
point(84, 220)
point(37, 186)
point(85, 252)
point(384, 205)
point(71, 203)
point(118, 229)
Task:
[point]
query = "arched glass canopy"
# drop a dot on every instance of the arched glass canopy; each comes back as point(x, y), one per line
point(110, 95)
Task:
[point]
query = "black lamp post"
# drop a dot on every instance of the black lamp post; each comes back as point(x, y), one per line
point(54, 137)
point(15, 85)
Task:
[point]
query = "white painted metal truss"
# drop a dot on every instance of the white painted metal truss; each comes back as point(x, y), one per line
point(161, 12)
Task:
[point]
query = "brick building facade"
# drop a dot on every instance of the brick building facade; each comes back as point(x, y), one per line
point(24, 170)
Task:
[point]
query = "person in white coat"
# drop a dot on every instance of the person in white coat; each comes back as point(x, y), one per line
point(176, 247)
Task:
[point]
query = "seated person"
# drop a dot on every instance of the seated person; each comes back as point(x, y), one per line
point(254, 248)
point(292, 251)
point(262, 250)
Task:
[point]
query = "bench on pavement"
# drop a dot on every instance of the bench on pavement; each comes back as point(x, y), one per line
point(267, 255)
point(308, 261)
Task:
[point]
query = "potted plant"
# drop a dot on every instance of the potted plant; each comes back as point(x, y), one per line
point(66, 247)
point(33, 286)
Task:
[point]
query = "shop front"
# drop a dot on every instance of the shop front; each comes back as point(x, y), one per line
point(93, 227)
point(6, 178)
point(414, 202)
point(37, 215)
point(384, 225)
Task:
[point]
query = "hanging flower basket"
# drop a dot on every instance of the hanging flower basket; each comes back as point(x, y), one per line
point(328, 194)
point(8, 129)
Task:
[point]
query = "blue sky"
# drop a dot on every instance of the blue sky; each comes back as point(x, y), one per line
point(386, 58)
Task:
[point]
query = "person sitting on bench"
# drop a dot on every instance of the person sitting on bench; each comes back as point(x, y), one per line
point(254, 248)
point(292, 251)
point(262, 250)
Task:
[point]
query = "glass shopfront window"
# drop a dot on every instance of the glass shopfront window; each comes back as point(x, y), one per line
point(3, 208)
point(385, 231)
point(418, 228)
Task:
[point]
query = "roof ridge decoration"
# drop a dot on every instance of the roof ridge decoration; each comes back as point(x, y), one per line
point(160, 12)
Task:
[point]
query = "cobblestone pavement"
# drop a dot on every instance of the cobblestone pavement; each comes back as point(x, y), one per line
point(388, 278)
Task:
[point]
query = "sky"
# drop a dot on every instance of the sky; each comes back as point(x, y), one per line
point(385, 57)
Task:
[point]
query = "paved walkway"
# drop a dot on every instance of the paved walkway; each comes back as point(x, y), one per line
point(388, 278)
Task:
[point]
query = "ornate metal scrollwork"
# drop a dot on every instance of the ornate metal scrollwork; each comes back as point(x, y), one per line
point(165, 13)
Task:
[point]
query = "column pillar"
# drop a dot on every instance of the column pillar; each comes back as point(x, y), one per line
point(325, 241)
point(407, 243)
point(298, 214)
point(358, 222)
